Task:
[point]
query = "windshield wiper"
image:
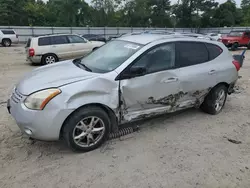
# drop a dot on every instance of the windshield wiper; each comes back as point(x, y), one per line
point(78, 62)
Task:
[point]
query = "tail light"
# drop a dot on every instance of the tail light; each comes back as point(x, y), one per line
point(236, 64)
point(31, 52)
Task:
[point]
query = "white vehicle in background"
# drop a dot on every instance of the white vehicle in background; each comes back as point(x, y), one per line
point(215, 36)
point(52, 48)
point(8, 37)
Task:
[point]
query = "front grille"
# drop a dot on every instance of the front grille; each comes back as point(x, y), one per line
point(16, 96)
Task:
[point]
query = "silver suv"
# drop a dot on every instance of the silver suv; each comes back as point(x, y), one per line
point(52, 48)
point(127, 79)
point(8, 37)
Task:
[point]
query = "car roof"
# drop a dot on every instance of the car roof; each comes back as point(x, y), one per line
point(52, 35)
point(144, 39)
point(147, 38)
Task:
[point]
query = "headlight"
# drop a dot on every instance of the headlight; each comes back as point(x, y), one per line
point(38, 100)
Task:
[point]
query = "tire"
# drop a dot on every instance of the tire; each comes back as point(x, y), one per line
point(49, 59)
point(6, 42)
point(248, 46)
point(234, 46)
point(95, 49)
point(211, 102)
point(92, 136)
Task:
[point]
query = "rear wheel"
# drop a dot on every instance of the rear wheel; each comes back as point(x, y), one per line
point(234, 46)
point(6, 42)
point(215, 100)
point(248, 46)
point(86, 129)
point(49, 59)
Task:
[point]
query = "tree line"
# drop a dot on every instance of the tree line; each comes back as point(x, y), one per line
point(124, 13)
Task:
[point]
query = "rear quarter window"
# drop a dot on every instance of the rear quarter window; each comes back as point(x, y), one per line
point(191, 53)
point(44, 41)
point(213, 50)
point(8, 32)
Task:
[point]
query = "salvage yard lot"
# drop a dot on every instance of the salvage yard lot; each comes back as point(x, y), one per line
point(186, 150)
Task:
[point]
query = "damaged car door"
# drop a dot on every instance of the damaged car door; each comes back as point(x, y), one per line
point(197, 71)
point(150, 85)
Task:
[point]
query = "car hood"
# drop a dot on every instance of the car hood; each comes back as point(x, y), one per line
point(51, 76)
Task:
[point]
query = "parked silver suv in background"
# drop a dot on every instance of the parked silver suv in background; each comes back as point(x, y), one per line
point(8, 37)
point(52, 48)
point(127, 79)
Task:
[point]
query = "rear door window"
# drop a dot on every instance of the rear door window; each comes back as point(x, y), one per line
point(60, 40)
point(44, 41)
point(8, 32)
point(191, 53)
point(76, 39)
point(214, 51)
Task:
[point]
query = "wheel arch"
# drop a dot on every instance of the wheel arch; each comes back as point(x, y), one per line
point(222, 83)
point(6, 39)
point(108, 110)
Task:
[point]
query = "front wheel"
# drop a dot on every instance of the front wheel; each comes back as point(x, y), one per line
point(215, 100)
point(234, 46)
point(86, 129)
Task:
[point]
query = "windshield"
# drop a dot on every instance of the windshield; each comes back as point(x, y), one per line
point(110, 56)
point(235, 34)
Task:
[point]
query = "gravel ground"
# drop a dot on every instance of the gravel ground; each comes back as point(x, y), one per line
point(186, 150)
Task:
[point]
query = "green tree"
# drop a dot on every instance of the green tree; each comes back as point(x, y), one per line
point(160, 13)
point(245, 5)
point(12, 12)
point(227, 15)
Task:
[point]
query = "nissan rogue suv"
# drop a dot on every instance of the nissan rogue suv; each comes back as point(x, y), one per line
point(131, 78)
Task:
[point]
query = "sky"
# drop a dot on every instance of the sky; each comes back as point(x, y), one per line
point(174, 1)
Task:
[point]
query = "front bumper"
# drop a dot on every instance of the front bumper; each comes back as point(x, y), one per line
point(41, 125)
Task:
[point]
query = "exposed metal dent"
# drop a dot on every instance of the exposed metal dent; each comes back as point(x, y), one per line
point(96, 90)
point(200, 96)
point(168, 104)
point(168, 100)
point(145, 114)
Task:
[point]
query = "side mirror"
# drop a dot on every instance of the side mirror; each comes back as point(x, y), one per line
point(137, 71)
point(132, 72)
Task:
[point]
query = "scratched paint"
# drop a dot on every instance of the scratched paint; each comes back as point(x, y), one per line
point(169, 104)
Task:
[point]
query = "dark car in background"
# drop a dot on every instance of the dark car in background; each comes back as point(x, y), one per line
point(93, 37)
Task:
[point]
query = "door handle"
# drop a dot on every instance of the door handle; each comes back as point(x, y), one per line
point(212, 72)
point(169, 80)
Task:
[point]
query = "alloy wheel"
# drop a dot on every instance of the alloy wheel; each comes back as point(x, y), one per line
point(88, 131)
point(220, 100)
point(50, 59)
